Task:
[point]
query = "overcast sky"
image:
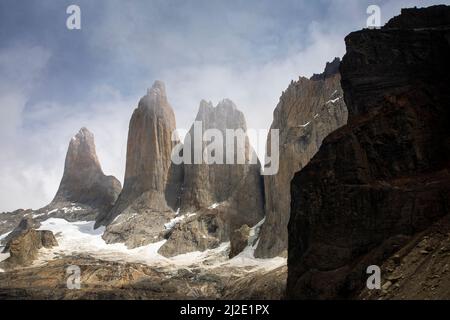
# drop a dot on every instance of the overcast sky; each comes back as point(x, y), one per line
point(53, 81)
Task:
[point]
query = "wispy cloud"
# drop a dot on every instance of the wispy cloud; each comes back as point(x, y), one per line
point(52, 81)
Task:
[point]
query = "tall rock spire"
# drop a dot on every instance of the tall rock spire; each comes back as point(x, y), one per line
point(224, 196)
point(149, 173)
point(83, 180)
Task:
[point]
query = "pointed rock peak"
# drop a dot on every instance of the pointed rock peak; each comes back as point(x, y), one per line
point(158, 89)
point(205, 107)
point(83, 137)
point(227, 104)
point(156, 98)
point(83, 180)
point(81, 151)
point(225, 113)
point(331, 69)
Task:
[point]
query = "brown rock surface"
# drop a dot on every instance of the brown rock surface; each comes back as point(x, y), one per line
point(233, 191)
point(420, 270)
point(144, 204)
point(385, 176)
point(204, 230)
point(24, 243)
point(307, 112)
point(83, 180)
point(239, 240)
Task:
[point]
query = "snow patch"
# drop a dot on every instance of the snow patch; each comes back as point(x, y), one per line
point(80, 237)
point(333, 100)
point(3, 256)
point(305, 125)
point(3, 236)
point(214, 205)
point(172, 223)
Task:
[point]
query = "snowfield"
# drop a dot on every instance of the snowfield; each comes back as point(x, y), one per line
point(81, 238)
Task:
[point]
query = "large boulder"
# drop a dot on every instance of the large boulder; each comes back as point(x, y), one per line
point(308, 111)
point(24, 242)
point(385, 176)
point(152, 181)
point(201, 231)
point(23, 226)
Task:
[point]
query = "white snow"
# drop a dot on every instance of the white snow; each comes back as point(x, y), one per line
point(3, 256)
point(124, 218)
point(38, 215)
point(71, 209)
point(333, 100)
point(305, 125)
point(51, 211)
point(316, 115)
point(172, 223)
point(214, 205)
point(80, 237)
point(3, 236)
point(247, 257)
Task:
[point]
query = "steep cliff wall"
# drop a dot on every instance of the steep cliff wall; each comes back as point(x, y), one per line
point(385, 176)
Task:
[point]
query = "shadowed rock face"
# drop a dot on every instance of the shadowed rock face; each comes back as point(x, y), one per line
point(307, 112)
point(224, 196)
point(385, 176)
point(145, 204)
point(83, 180)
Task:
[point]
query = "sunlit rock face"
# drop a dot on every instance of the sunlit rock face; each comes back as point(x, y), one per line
point(308, 111)
point(151, 182)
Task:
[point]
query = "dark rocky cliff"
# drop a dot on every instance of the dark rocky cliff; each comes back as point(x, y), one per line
point(384, 177)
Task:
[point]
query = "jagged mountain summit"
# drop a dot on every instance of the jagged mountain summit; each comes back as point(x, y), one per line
point(84, 193)
point(308, 111)
point(217, 198)
point(151, 181)
point(379, 182)
point(83, 181)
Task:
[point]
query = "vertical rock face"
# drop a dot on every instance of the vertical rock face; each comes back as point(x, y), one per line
point(145, 202)
point(208, 184)
point(385, 176)
point(223, 196)
point(307, 112)
point(83, 180)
